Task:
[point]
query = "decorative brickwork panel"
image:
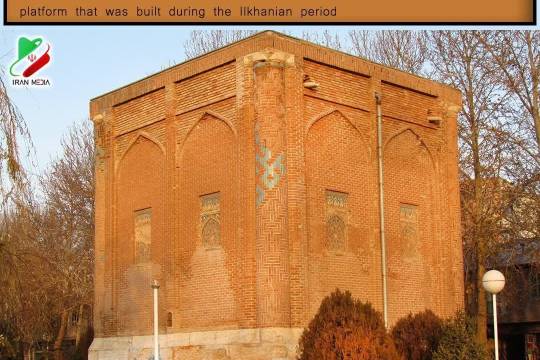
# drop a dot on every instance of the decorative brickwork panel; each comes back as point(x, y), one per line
point(143, 235)
point(336, 223)
point(335, 233)
point(336, 200)
point(408, 221)
point(210, 223)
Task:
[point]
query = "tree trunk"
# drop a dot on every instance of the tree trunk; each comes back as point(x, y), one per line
point(80, 331)
point(58, 354)
point(19, 352)
point(83, 332)
point(27, 353)
point(481, 315)
point(478, 233)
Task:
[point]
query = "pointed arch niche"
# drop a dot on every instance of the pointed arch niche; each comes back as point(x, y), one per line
point(340, 188)
point(139, 185)
point(206, 165)
point(410, 215)
point(140, 219)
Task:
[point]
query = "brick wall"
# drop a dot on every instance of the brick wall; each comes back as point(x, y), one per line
point(264, 194)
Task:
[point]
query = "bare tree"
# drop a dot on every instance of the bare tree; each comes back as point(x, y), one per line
point(515, 56)
point(401, 49)
point(46, 250)
point(324, 38)
point(27, 296)
point(202, 41)
point(68, 222)
point(13, 191)
point(13, 130)
point(459, 59)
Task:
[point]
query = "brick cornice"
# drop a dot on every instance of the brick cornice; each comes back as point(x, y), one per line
point(284, 44)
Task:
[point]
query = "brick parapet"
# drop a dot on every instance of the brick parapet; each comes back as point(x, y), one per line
point(270, 39)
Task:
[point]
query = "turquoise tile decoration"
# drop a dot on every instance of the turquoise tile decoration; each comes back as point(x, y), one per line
point(268, 172)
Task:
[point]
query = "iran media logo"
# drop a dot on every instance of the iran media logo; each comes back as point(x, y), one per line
point(32, 57)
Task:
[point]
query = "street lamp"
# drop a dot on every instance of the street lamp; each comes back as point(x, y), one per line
point(493, 282)
point(155, 287)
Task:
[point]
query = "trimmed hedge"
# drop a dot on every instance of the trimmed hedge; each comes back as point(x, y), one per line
point(417, 336)
point(345, 328)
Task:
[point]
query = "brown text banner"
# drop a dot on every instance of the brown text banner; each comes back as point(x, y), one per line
point(266, 11)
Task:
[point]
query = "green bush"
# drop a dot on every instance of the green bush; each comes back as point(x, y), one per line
point(345, 328)
point(458, 341)
point(417, 336)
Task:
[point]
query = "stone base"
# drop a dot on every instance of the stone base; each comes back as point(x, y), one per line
point(248, 344)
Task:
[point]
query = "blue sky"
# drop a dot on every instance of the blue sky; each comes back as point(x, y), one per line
point(90, 60)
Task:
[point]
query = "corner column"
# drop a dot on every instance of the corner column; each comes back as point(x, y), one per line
point(271, 238)
point(102, 281)
point(453, 201)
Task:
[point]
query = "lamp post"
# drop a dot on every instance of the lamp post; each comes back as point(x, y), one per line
point(493, 282)
point(155, 287)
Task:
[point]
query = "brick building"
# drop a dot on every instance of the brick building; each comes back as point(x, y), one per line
point(246, 182)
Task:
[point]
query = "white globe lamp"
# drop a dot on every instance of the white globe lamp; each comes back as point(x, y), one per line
point(493, 282)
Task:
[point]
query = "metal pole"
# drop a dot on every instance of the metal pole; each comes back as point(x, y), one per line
point(495, 330)
point(155, 287)
point(381, 207)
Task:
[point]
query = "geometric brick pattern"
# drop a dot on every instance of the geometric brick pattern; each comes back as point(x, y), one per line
point(271, 242)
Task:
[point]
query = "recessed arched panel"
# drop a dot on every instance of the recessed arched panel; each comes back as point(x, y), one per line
point(211, 233)
point(332, 113)
point(206, 223)
point(413, 137)
point(340, 198)
point(206, 115)
point(410, 206)
point(140, 230)
point(141, 135)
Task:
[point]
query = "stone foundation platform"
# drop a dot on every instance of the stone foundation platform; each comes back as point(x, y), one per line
point(248, 344)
